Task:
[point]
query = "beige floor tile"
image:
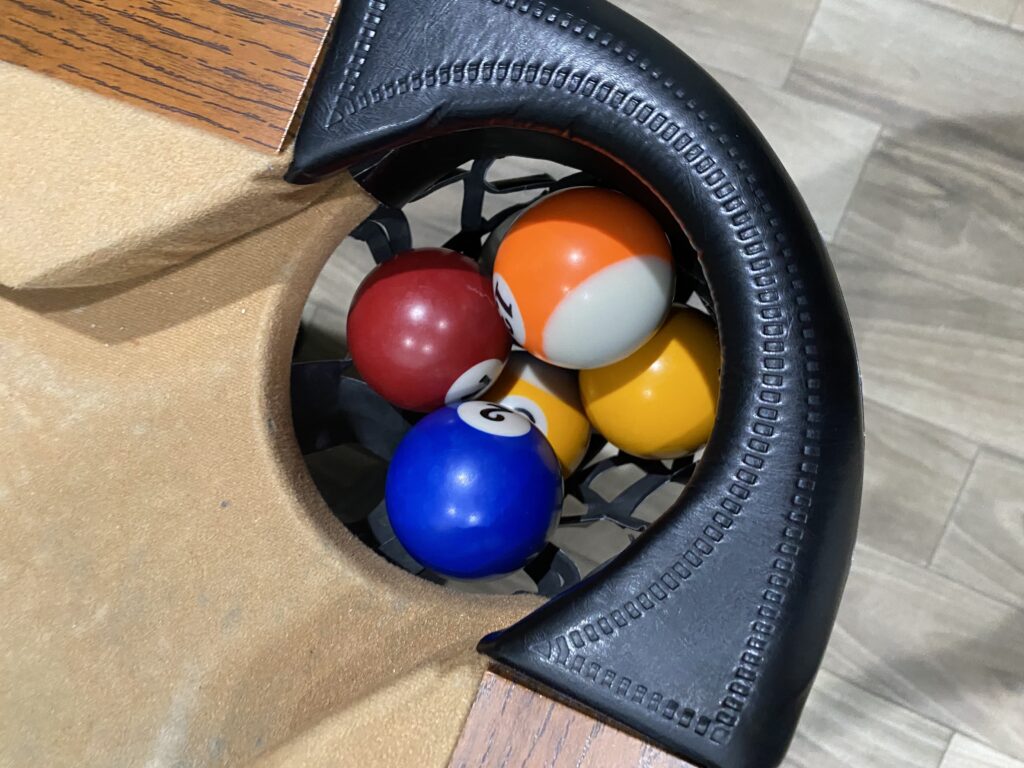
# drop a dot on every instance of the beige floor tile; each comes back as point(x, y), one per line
point(308, 310)
point(918, 639)
point(435, 218)
point(844, 726)
point(968, 753)
point(323, 335)
point(331, 319)
point(997, 11)
point(913, 473)
point(757, 39)
point(938, 353)
point(823, 148)
point(591, 545)
point(936, 203)
point(326, 311)
point(340, 277)
point(929, 257)
point(879, 292)
point(966, 382)
point(984, 544)
point(904, 62)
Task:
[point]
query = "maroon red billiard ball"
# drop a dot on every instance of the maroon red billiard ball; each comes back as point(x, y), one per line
point(424, 330)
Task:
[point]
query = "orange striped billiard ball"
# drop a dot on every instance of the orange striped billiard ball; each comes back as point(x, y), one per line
point(584, 277)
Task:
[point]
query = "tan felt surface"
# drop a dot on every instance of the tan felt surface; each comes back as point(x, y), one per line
point(174, 590)
point(95, 190)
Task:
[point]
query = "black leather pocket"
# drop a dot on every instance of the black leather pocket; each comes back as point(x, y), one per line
point(706, 634)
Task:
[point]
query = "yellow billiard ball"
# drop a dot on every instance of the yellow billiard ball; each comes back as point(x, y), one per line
point(659, 402)
point(550, 398)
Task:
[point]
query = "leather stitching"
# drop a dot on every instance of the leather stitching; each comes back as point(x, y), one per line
point(368, 28)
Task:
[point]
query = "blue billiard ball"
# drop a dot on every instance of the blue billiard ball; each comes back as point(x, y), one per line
point(474, 490)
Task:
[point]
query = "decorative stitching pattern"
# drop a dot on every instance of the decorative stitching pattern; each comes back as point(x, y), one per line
point(762, 434)
point(634, 691)
point(347, 103)
point(775, 333)
point(375, 10)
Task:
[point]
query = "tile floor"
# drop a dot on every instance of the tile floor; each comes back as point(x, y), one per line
point(902, 121)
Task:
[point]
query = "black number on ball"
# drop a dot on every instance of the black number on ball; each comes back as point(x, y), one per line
point(495, 413)
point(485, 382)
point(506, 306)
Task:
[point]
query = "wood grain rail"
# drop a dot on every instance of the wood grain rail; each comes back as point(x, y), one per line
point(514, 727)
point(234, 67)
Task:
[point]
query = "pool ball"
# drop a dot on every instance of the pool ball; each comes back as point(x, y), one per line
point(583, 277)
point(550, 398)
point(424, 330)
point(659, 402)
point(474, 490)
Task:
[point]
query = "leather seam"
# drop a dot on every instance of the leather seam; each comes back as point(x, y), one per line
point(536, 9)
point(367, 33)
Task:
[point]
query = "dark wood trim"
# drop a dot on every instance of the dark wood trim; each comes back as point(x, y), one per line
point(238, 68)
point(515, 727)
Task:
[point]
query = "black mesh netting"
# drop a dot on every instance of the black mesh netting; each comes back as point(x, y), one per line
point(348, 433)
